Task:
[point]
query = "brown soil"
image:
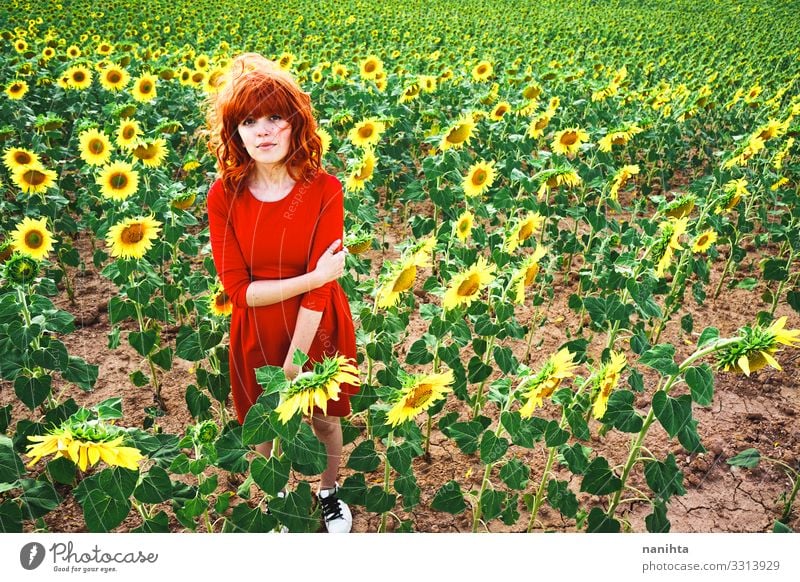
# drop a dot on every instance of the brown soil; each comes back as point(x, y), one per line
point(760, 411)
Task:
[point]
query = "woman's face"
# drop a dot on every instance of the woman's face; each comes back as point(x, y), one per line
point(266, 138)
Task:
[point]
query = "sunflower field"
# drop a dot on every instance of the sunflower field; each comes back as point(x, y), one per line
point(574, 238)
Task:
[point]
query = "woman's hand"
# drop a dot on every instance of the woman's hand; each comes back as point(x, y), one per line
point(291, 370)
point(330, 265)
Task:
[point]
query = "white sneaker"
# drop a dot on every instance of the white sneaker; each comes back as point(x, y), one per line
point(335, 512)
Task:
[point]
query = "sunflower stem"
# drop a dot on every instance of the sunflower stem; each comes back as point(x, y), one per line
point(539, 498)
point(387, 473)
point(777, 295)
point(478, 406)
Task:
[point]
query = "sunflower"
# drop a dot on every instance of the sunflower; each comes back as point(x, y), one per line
point(679, 207)
point(151, 153)
point(604, 382)
point(144, 88)
point(500, 110)
point(538, 124)
point(479, 178)
point(525, 275)
point(285, 61)
point(669, 241)
point(370, 67)
point(17, 158)
point(777, 160)
point(482, 71)
point(114, 78)
point(419, 393)
point(202, 62)
point(359, 243)
point(20, 45)
point(118, 181)
point(568, 141)
point(33, 178)
point(757, 348)
point(104, 48)
point(73, 51)
point(317, 75)
point(427, 83)
point(463, 226)
point(534, 388)
point(367, 133)
point(32, 238)
point(132, 237)
point(465, 287)
point(618, 137)
point(704, 241)
point(20, 269)
point(95, 147)
point(491, 95)
point(458, 134)
point(532, 91)
point(621, 177)
point(85, 443)
point(400, 277)
point(358, 178)
point(325, 138)
point(557, 177)
point(79, 77)
point(220, 303)
point(128, 133)
point(339, 70)
point(314, 389)
point(16, 90)
point(523, 230)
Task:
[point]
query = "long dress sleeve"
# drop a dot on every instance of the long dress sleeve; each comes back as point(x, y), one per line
point(228, 259)
point(329, 227)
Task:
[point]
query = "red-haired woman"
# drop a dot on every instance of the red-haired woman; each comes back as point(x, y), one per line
point(276, 221)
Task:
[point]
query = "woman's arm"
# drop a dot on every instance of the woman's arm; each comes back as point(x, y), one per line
point(329, 268)
point(304, 331)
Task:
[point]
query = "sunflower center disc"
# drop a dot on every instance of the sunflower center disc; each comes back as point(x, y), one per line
point(469, 287)
point(132, 234)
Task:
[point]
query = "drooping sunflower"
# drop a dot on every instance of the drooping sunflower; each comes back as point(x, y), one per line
point(16, 89)
point(604, 382)
point(151, 153)
point(144, 88)
point(220, 303)
point(370, 67)
point(183, 200)
point(79, 77)
point(114, 78)
point(410, 93)
point(316, 388)
point(458, 134)
point(704, 241)
point(618, 137)
point(479, 178)
point(33, 178)
point(118, 181)
point(367, 133)
point(32, 238)
point(669, 241)
point(525, 275)
point(85, 443)
point(757, 348)
point(95, 147)
point(679, 207)
point(733, 190)
point(131, 238)
point(465, 287)
point(620, 178)
point(482, 71)
point(358, 178)
point(522, 230)
point(534, 388)
point(128, 133)
point(359, 243)
point(463, 226)
point(399, 278)
point(419, 393)
point(17, 158)
point(568, 141)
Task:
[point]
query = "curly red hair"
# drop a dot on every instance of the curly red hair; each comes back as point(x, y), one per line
point(256, 87)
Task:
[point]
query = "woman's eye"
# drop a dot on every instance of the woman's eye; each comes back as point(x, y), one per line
point(248, 121)
point(275, 117)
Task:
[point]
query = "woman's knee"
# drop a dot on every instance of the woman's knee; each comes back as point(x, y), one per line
point(326, 425)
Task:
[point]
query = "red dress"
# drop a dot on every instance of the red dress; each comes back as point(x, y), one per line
point(253, 240)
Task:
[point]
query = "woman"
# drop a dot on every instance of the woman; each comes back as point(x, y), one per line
point(276, 221)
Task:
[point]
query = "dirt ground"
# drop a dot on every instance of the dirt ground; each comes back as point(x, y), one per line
point(760, 411)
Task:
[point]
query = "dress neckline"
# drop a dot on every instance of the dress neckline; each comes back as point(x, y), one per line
point(288, 195)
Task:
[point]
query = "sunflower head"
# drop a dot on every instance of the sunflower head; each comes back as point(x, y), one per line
point(418, 393)
point(32, 238)
point(466, 286)
point(359, 243)
point(704, 241)
point(680, 206)
point(756, 348)
point(604, 382)
point(220, 303)
point(535, 387)
point(21, 269)
point(132, 237)
point(315, 388)
point(458, 134)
